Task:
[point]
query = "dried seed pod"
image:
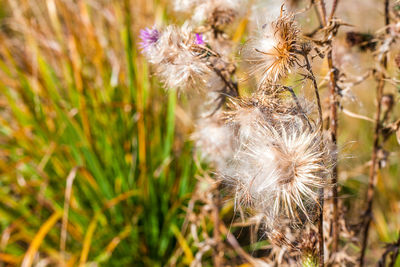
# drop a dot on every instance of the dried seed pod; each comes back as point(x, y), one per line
point(308, 246)
point(281, 160)
point(279, 239)
point(270, 54)
point(174, 51)
point(221, 17)
point(217, 13)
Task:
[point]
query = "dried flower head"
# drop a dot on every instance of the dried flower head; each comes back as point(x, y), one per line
point(184, 6)
point(175, 53)
point(281, 162)
point(308, 245)
point(270, 55)
point(279, 238)
point(217, 13)
point(264, 107)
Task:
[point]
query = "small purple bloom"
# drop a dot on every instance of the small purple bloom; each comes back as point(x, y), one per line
point(149, 37)
point(199, 39)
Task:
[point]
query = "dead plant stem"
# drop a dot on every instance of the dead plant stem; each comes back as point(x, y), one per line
point(321, 193)
point(374, 157)
point(333, 126)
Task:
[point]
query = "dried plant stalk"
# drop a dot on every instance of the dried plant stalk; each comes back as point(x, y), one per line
point(333, 123)
point(374, 158)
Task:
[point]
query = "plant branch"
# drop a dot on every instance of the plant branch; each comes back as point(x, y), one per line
point(374, 158)
point(334, 6)
point(315, 85)
point(333, 127)
point(321, 193)
point(322, 7)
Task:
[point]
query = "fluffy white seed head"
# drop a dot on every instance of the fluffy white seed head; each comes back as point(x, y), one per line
point(175, 56)
point(266, 10)
point(215, 140)
point(217, 13)
point(247, 112)
point(280, 163)
point(269, 54)
point(184, 6)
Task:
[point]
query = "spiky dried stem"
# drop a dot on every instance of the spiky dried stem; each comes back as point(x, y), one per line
point(311, 34)
point(322, 7)
point(333, 126)
point(321, 193)
point(224, 70)
point(334, 103)
point(231, 239)
point(334, 6)
point(315, 85)
point(229, 83)
point(374, 158)
point(372, 172)
point(296, 100)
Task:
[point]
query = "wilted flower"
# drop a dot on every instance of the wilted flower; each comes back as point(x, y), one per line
point(270, 55)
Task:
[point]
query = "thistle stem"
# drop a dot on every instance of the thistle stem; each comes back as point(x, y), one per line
point(322, 7)
point(334, 6)
point(314, 81)
point(321, 193)
point(374, 157)
point(333, 126)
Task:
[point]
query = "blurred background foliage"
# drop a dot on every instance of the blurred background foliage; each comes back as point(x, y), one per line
point(90, 167)
point(94, 159)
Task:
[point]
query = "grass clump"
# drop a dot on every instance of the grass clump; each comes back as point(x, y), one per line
point(89, 168)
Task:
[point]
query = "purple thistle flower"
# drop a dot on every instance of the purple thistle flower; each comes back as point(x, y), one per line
point(199, 39)
point(149, 37)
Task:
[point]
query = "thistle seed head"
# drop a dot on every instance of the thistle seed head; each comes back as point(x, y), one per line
point(214, 139)
point(174, 51)
point(262, 107)
point(270, 54)
point(280, 163)
point(217, 13)
point(184, 6)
